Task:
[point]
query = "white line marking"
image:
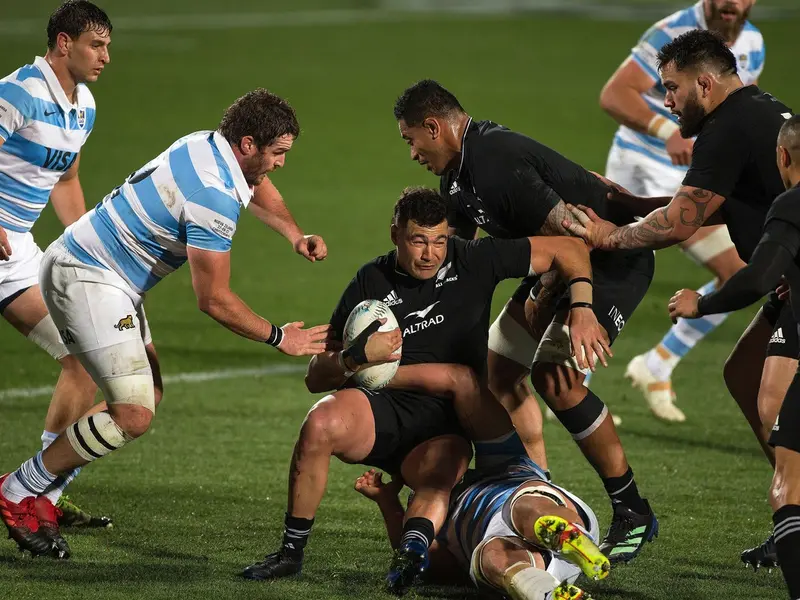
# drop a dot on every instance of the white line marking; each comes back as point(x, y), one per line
point(191, 377)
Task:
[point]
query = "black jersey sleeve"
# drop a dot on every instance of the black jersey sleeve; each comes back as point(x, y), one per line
point(720, 153)
point(464, 227)
point(493, 259)
point(771, 259)
point(353, 294)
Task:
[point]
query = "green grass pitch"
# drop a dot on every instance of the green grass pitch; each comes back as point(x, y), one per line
point(203, 493)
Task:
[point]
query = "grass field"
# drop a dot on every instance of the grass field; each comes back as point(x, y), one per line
point(203, 493)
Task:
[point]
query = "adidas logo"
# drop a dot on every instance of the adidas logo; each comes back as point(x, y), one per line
point(392, 299)
point(777, 337)
point(454, 188)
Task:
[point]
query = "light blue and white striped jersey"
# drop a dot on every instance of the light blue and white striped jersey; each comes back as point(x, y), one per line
point(42, 133)
point(476, 504)
point(189, 195)
point(748, 49)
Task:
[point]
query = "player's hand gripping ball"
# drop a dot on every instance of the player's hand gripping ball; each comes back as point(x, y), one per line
point(381, 368)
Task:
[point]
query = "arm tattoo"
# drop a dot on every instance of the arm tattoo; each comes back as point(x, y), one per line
point(552, 224)
point(667, 226)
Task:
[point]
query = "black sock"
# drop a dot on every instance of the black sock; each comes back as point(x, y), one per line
point(623, 489)
point(295, 535)
point(787, 541)
point(420, 529)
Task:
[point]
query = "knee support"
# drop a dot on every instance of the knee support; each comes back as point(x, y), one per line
point(583, 419)
point(523, 582)
point(46, 336)
point(538, 491)
point(510, 339)
point(95, 436)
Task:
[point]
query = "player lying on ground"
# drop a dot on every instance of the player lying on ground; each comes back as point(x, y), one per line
point(650, 157)
point(181, 206)
point(777, 254)
point(508, 527)
point(440, 289)
point(46, 115)
point(511, 186)
point(733, 179)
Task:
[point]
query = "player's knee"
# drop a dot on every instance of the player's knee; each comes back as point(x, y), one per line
point(785, 488)
point(322, 427)
point(584, 417)
point(133, 420)
point(493, 559)
point(97, 435)
point(559, 386)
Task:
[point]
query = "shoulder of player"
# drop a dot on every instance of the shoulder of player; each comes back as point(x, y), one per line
point(85, 97)
point(786, 207)
point(672, 26)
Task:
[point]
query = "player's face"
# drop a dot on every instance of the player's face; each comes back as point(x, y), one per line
point(88, 55)
point(257, 163)
point(727, 17)
point(420, 250)
point(682, 99)
point(427, 145)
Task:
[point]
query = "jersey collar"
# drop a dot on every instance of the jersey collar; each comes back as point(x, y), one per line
point(463, 146)
point(243, 189)
point(55, 86)
point(700, 15)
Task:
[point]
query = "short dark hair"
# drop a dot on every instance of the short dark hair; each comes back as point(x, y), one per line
point(789, 135)
point(422, 205)
point(426, 98)
point(260, 114)
point(699, 48)
point(75, 17)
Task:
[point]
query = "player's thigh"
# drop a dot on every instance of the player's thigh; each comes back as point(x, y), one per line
point(745, 364)
point(511, 344)
point(439, 462)
point(26, 310)
point(780, 367)
point(20, 299)
point(334, 420)
point(625, 167)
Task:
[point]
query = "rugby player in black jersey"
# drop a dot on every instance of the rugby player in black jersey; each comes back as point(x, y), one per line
point(440, 290)
point(511, 186)
point(776, 255)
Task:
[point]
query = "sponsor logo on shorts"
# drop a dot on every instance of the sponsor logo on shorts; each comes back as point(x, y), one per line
point(777, 337)
point(125, 323)
point(66, 336)
point(617, 318)
point(776, 427)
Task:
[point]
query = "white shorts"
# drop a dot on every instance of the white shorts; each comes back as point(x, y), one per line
point(642, 175)
point(21, 270)
point(559, 568)
point(92, 307)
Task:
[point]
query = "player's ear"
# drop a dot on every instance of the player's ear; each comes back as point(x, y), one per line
point(705, 82)
point(62, 42)
point(431, 125)
point(394, 234)
point(784, 157)
point(247, 145)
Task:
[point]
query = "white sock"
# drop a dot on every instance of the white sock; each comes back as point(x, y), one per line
point(31, 479)
point(48, 437)
point(528, 583)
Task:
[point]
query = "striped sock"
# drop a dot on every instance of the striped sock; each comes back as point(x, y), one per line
point(31, 479)
point(295, 535)
point(56, 489)
point(787, 542)
point(682, 337)
point(418, 529)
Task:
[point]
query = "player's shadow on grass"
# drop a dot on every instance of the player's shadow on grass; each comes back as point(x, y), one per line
point(704, 443)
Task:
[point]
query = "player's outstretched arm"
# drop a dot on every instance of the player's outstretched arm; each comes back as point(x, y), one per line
point(773, 257)
point(67, 196)
point(211, 283)
point(688, 210)
point(267, 206)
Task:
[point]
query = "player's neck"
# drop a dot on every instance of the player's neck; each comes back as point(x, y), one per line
point(65, 78)
point(724, 88)
point(794, 178)
point(455, 137)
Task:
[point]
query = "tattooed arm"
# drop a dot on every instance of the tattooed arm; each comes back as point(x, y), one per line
point(689, 210)
point(554, 222)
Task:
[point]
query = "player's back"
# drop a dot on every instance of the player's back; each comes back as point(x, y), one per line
point(42, 133)
point(189, 195)
point(748, 50)
point(734, 156)
point(503, 168)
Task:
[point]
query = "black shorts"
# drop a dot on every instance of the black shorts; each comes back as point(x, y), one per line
point(404, 420)
point(786, 432)
point(621, 279)
point(784, 340)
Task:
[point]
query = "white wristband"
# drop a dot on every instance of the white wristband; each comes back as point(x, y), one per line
point(340, 359)
point(662, 127)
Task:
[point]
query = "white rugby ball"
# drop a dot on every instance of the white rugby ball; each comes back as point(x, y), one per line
point(376, 376)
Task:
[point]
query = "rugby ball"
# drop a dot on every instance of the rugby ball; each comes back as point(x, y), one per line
point(376, 376)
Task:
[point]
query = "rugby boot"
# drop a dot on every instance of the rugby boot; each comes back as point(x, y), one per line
point(628, 533)
point(569, 542)
point(273, 566)
point(74, 516)
point(410, 561)
point(22, 524)
point(48, 514)
point(763, 555)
